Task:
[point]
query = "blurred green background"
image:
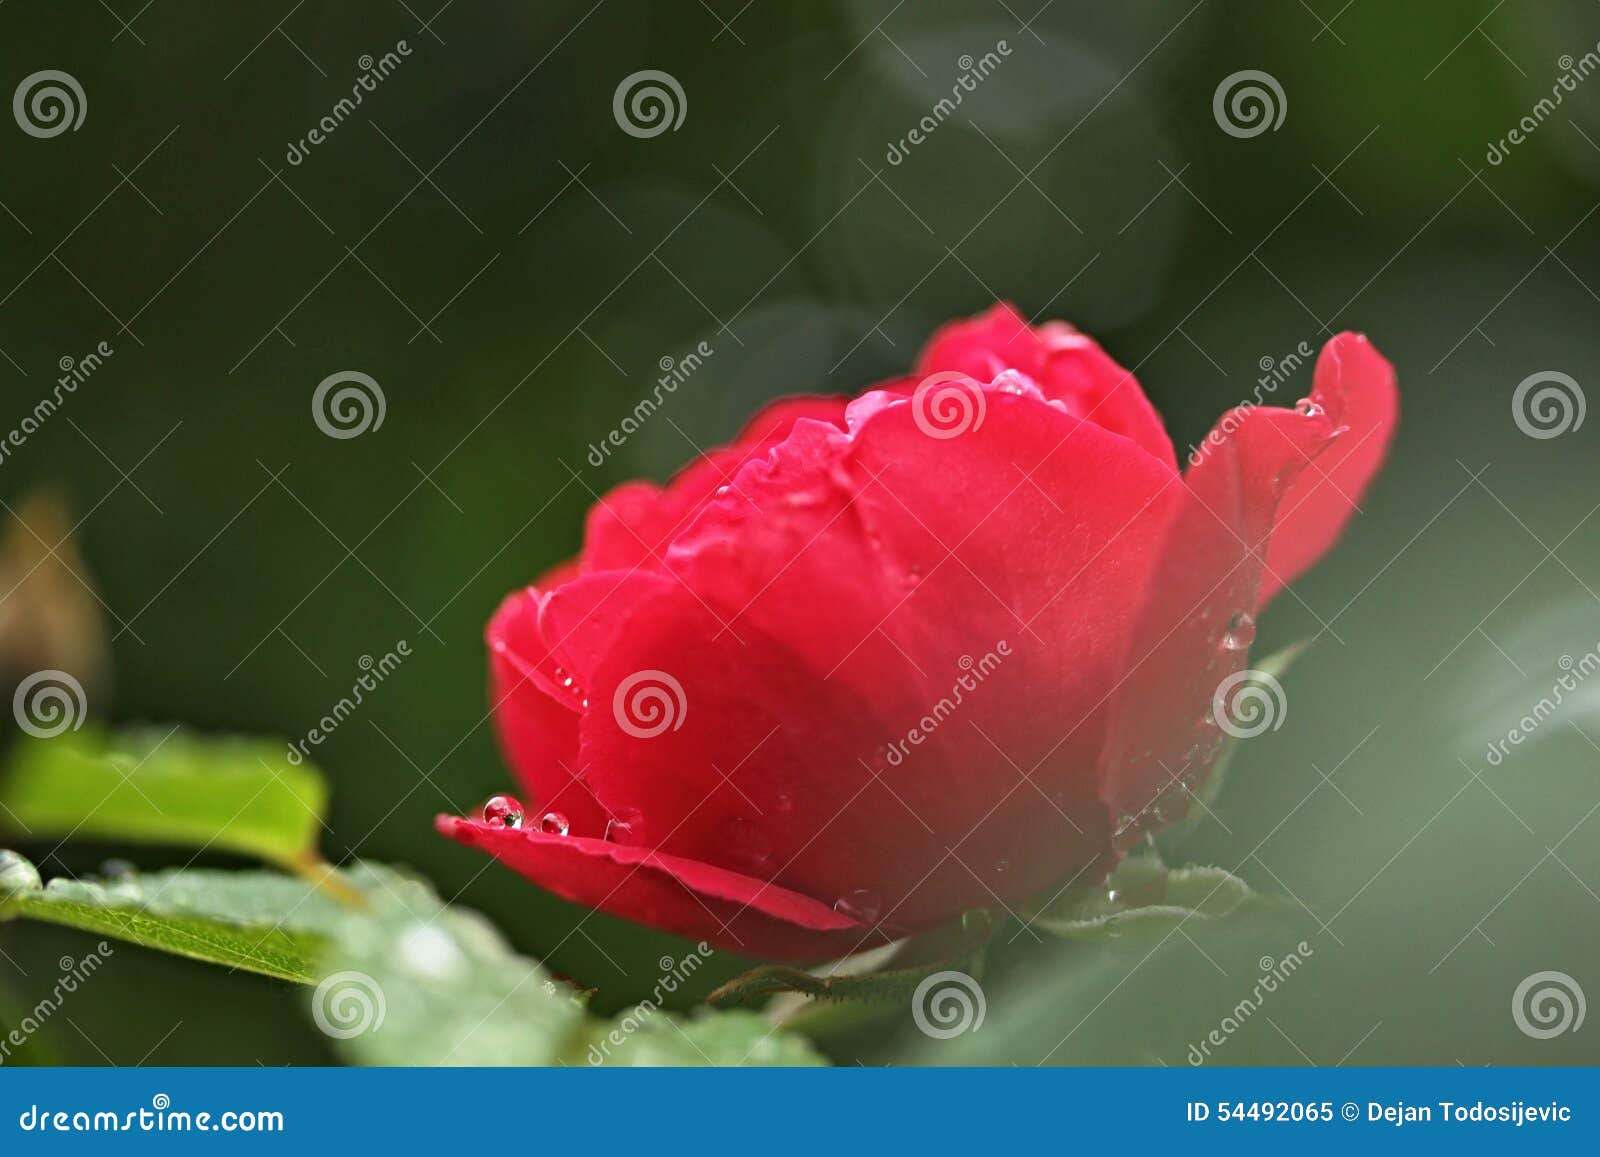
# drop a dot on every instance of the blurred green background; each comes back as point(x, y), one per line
point(483, 240)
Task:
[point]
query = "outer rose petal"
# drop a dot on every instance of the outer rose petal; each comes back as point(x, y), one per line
point(632, 525)
point(1067, 365)
point(1197, 623)
point(535, 717)
point(703, 902)
point(1356, 382)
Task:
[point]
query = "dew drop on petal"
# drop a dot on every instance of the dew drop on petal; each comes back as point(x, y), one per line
point(553, 824)
point(503, 810)
point(862, 904)
point(1241, 632)
point(1306, 408)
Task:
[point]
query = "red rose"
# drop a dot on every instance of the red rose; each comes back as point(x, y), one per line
point(887, 659)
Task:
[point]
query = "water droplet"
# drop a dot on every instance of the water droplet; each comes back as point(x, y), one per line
point(553, 824)
point(563, 679)
point(118, 870)
point(862, 904)
point(783, 804)
point(17, 874)
point(1112, 896)
point(1001, 867)
point(504, 810)
point(1241, 632)
point(1306, 408)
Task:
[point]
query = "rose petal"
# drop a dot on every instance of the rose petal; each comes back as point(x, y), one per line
point(1354, 382)
point(535, 717)
point(632, 525)
point(1068, 366)
point(693, 899)
point(1212, 576)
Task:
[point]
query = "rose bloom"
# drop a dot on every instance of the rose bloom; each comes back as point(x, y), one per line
point(950, 644)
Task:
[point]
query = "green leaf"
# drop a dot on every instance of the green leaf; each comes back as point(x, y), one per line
point(641, 1037)
point(1143, 894)
point(172, 787)
point(416, 982)
point(258, 921)
point(400, 978)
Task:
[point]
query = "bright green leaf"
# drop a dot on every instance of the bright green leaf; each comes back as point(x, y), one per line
point(173, 787)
